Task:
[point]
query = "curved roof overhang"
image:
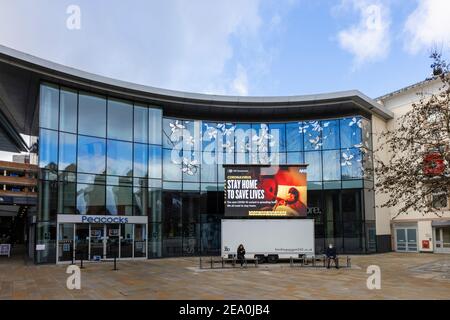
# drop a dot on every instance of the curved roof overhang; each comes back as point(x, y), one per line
point(20, 74)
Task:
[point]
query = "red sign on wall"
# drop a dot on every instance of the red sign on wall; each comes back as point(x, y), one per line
point(425, 244)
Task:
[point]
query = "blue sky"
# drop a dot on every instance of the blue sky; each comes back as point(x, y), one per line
point(246, 47)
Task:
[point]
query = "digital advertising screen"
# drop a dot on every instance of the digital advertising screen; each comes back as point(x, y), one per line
point(265, 191)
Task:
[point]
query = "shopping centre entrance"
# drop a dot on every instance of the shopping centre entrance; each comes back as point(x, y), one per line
point(123, 237)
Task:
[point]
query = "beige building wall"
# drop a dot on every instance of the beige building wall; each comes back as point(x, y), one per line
point(390, 218)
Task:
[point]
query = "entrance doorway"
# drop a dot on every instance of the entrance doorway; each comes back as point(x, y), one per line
point(442, 239)
point(406, 239)
point(96, 242)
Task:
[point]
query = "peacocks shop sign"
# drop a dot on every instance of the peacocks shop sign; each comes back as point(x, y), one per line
point(77, 218)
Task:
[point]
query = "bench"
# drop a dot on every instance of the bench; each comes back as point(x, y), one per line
point(311, 260)
point(212, 261)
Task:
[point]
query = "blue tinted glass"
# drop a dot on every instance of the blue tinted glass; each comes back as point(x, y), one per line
point(350, 132)
point(154, 125)
point(68, 111)
point(313, 137)
point(154, 164)
point(67, 151)
point(209, 136)
point(48, 149)
point(91, 155)
point(295, 158)
point(120, 120)
point(120, 158)
point(172, 164)
point(119, 200)
point(351, 164)
point(191, 135)
point(173, 133)
point(294, 136)
point(277, 137)
point(190, 166)
point(90, 199)
point(92, 115)
point(314, 169)
point(49, 106)
point(209, 167)
point(243, 134)
point(140, 124)
point(330, 134)
point(140, 160)
point(331, 165)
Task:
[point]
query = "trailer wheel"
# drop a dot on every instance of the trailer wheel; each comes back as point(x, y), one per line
point(260, 258)
point(272, 258)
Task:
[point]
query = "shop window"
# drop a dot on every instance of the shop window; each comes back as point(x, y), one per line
point(92, 115)
point(91, 155)
point(49, 106)
point(119, 160)
point(120, 120)
point(141, 124)
point(68, 111)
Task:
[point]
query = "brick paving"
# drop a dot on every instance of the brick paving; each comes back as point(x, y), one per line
point(403, 276)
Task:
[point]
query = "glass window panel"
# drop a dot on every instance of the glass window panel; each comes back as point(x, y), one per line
point(331, 165)
point(243, 140)
point(68, 111)
point(140, 240)
point(155, 167)
point(351, 164)
point(48, 149)
point(155, 240)
point(91, 155)
point(191, 166)
point(171, 165)
point(49, 106)
point(119, 181)
point(208, 167)
point(126, 243)
point(277, 137)
point(140, 160)
point(140, 124)
point(330, 134)
point(351, 132)
point(312, 134)
point(154, 125)
point(191, 135)
point(140, 201)
point(210, 136)
point(294, 136)
point(92, 115)
point(366, 132)
point(226, 138)
point(91, 199)
point(67, 193)
point(172, 231)
point(67, 152)
point(155, 204)
point(48, 204)
point(173, 133)
point(120, 120)
point(295, 158)
point(314, 169)
point(120, 158)
point(119, 200)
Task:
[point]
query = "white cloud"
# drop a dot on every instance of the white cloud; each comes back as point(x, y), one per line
point(369, 40)
point(240, 82)
point(428, 26)
point(176, 44)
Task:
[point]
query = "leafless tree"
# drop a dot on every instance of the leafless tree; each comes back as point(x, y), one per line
point(416, 177)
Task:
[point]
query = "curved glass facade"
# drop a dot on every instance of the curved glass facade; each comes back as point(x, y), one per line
point(105, 156)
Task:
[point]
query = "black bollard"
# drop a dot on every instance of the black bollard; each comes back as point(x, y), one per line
point(115, 259)
point(72, 255)
point(81, 264)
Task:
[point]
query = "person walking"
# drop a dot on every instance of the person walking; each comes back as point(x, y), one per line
point(241, 254)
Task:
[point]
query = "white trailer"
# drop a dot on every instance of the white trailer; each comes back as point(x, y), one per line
point(272, 238)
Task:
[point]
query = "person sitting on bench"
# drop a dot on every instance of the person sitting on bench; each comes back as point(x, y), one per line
point(331, 254)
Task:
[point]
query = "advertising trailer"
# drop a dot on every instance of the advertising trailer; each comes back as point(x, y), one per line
point(270, 238)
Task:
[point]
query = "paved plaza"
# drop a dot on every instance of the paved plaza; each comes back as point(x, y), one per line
point(403, 276)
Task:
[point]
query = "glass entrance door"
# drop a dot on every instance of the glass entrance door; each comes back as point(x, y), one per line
point(112, 241)
point(406, 239)
point(82, 241)
point(442, 237)
point(97, 242)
